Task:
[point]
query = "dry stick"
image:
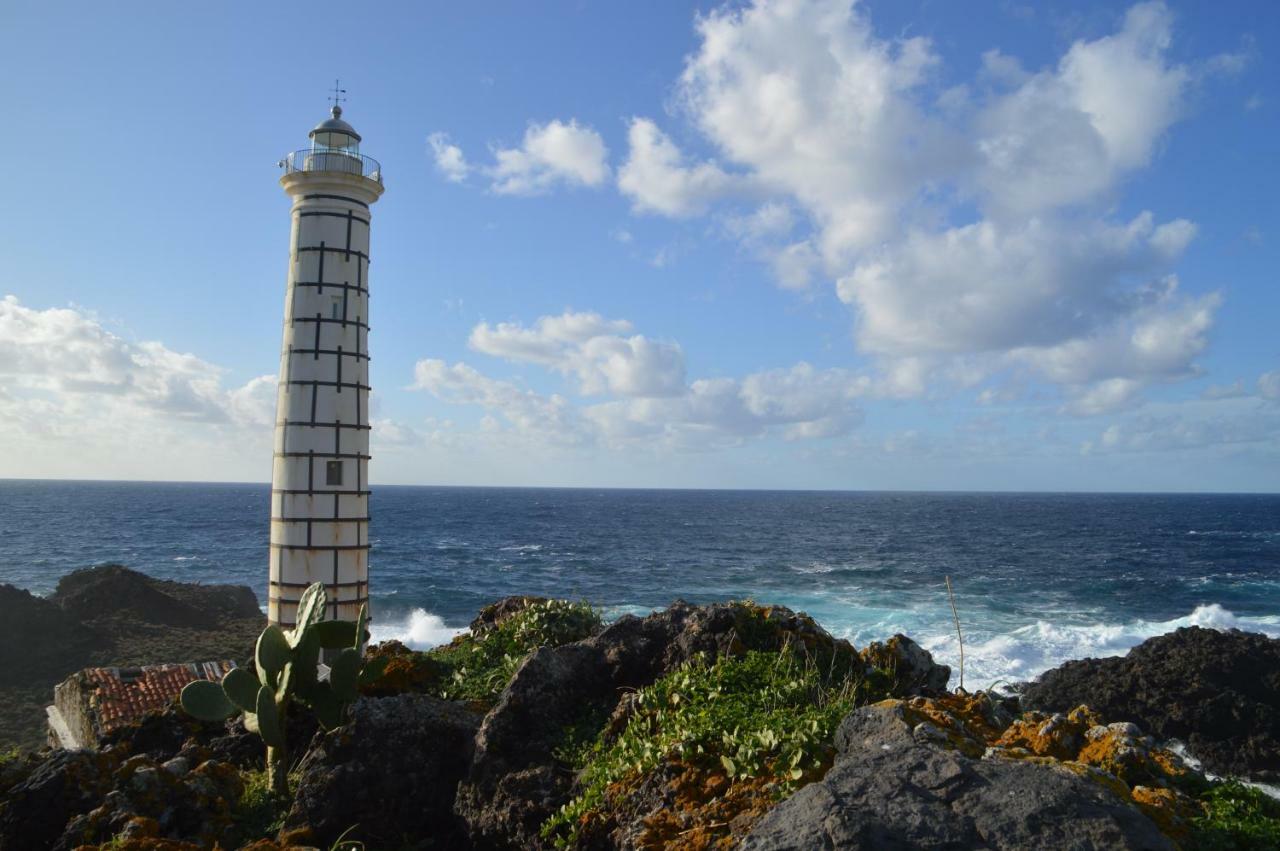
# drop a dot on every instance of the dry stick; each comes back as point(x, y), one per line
point(952, 597)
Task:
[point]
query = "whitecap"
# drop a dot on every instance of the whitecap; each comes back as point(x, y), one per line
point(814, 567)
point(421, 630)
point(1028, 651)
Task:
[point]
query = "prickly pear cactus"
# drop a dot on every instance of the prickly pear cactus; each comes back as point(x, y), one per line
point(288, 668)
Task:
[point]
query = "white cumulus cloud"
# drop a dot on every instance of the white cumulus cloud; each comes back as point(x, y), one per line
point(449, 159)
point(550, 154)
point(598, 352)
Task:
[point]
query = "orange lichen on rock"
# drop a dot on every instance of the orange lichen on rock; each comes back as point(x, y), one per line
point(1171, 810)
point(709, 811)
point(1058, 736)
point(681, 805)
point(963, 722)
point(404, 670)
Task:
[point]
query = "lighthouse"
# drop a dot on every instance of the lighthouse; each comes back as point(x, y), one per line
point(320, 475)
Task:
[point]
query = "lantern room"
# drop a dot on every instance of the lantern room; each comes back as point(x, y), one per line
point(333, 135)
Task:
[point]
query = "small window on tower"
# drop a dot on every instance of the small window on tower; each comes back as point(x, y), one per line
point(333, 472)
point(335, 310)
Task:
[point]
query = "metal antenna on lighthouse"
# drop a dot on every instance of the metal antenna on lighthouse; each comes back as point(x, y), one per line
point(338, 93)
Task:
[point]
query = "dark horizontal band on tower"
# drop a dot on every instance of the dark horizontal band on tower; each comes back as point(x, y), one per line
point(323, 321)
point(321, 424)
point(315, 382)
point(277, 583)
point(304, 492)
point(364, 519)
point(331, 249)
point(328, 549)
point(362, 456)
point(353, 217)
point(322, 284)
point(345, 354)
point(335, 198)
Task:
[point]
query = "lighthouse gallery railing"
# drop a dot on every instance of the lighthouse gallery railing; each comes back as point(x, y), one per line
point(320, 160)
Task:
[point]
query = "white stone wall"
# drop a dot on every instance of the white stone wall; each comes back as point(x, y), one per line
point(320, 490)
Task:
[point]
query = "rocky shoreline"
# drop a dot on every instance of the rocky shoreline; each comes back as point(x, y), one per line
point(728, 725)
point(110, 616)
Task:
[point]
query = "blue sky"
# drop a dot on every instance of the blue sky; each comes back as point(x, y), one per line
point(916, 245)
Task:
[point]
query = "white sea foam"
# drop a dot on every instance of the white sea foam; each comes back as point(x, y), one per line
point(1027, 651)
point(1012, 655)
point(1181, 750)
point(421, 630)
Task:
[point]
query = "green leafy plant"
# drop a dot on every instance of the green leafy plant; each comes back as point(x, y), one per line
point(478, 667)
point(768, 714)
point(259, 813)
point(287, 663)
point(1237, 817)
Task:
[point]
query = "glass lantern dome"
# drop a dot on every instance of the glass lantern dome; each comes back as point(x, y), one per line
point(333, 135)
point(335, 147)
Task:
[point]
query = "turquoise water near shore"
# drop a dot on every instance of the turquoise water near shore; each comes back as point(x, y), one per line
point(1039, 578)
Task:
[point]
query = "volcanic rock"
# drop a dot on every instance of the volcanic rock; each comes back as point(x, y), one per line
point(112, 590)
point(1217, 691)
point(161, 802)
point(495, 613)
point(891, 789)
point(392, 769)
point(516, 783)
point(910, 665)
point(38, 633)
point(34, 813)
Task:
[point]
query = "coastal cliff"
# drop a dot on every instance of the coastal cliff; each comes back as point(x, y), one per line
point(727, 725)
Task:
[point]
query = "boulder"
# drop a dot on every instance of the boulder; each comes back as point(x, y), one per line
point(35, 812)
point(511, 787)
point(495, 613)
point(910, 667)
point(1217, 691)
point(515, 782)
point(161, 735)
point(165, 804)
point(895, 787)
point(393, 770)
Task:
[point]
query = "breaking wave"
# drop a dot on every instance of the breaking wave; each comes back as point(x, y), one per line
point(421, 630)
point(1026, 652)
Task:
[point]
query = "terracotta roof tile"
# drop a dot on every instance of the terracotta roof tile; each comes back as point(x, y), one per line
point(122, 695)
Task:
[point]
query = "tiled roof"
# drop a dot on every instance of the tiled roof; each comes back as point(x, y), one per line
point(122, 695)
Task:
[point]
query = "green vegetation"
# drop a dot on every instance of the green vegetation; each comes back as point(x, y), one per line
point(287, 663)
point(765, 714)
point(260, 813)
point(9, 754)
point(478, 667)
point(1237, 817)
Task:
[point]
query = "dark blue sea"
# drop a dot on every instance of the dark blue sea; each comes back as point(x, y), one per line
point(1039, 578)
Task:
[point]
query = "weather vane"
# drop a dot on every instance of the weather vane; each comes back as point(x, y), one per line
point(338, 93)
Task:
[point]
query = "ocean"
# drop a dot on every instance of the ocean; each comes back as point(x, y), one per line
point(1038, 578)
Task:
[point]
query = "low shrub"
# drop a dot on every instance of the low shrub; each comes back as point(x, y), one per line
point(1237, 817)
point(764, 717)
point(478, 668)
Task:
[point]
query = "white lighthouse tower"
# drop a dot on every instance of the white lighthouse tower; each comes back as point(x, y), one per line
point(320, 478)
